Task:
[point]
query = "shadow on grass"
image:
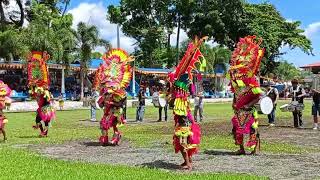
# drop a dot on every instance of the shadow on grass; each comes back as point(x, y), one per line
point(219, 153)
point(88, 120)
point(161, 164)
point(146, 121)
point(30, 137)
point(95, 144)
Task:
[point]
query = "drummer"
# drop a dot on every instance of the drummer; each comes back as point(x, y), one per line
point(163, 93)
point(297, 93)
point(272, 93)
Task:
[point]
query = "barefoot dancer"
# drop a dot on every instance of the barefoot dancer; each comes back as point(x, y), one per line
point(5, 92)
point(38, 78)
point(244, 65)
point(187, 132)
point(111, 79)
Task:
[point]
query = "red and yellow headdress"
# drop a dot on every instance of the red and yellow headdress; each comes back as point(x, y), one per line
point(4, 89)
point(182, 77)
point(244, 66)
point(246, 58)
point(38, 76)
point(115, 74)
point(37, 70)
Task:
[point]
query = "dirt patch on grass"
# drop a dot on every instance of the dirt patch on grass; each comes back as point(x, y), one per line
point(275, 166)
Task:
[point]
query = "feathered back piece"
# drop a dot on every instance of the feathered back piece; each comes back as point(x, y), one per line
point(115, 74)
point(182, 77)
point(189, 60)
point(246, 58)
point(38, 75)
point(37, 70)
point(244, 66)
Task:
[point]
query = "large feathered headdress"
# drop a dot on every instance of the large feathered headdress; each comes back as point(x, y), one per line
point(246, 58)
point(184, 71)
point(115, 74)
point(37, 70)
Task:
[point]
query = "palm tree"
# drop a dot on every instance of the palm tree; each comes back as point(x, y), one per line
point(87, 39)
point(216, 56)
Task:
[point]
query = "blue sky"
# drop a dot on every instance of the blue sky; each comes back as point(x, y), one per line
point(307, 11)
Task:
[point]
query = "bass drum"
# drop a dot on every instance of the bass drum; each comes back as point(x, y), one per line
point(265, 105)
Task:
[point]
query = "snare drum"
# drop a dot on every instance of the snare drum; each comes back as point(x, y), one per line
point(265, 105)
point(292, 107)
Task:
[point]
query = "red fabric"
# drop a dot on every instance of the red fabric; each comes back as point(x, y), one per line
point(241, 127)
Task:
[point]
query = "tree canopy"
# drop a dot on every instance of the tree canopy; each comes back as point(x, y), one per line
point(151, 24)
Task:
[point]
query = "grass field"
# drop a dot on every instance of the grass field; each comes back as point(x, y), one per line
point(17, 163)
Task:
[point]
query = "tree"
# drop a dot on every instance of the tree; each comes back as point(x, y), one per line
point(223, 21)
point(267, 23)
point(11, 45)
point(150, 23)
point(50, 31)
point(87, 39)
point(287, 71)
point(216, 56)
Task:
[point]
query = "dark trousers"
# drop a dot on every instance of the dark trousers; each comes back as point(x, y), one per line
point(165, 112)
point(125, 112)
point(297, 118)
point(272, 115)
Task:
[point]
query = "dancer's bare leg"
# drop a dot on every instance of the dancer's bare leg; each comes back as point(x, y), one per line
point(4, 134)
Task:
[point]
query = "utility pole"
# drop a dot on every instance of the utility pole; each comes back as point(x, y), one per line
point(118, 36)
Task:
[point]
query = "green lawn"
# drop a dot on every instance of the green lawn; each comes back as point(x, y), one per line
point(71, 125)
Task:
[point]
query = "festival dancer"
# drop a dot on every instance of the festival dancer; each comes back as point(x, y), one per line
point(38, 83)
point(5, 92)
point(187, 133)
point(244, 66)
point(112, 78)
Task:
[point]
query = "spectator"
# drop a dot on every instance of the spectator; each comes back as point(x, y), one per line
point(163, 94)
point(142, 103)
point(198, 106)
point(94, 97)
point(315, 107)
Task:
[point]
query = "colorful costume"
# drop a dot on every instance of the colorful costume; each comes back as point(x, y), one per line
point(111, 80)
point(5, 92)
point(38, 84)
point(187, 133)
point(244, 66)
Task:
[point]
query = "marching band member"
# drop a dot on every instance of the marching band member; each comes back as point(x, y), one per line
point(112, 78)
point(38, 82)
point(244, 66)
point(5, 92)
point(273, 94)
point(297, 93)
point(187, 134)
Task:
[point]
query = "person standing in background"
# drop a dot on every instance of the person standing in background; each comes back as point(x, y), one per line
point(297, 93)
point(142, 103)
point(198, 106)
point(315, 108)
point(94, 97)
point(163, 94)
point(274, 96)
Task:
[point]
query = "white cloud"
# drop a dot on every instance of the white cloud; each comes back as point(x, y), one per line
point(13, 8)
point(312, 29)
point(183, 36)
point(95, 14)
